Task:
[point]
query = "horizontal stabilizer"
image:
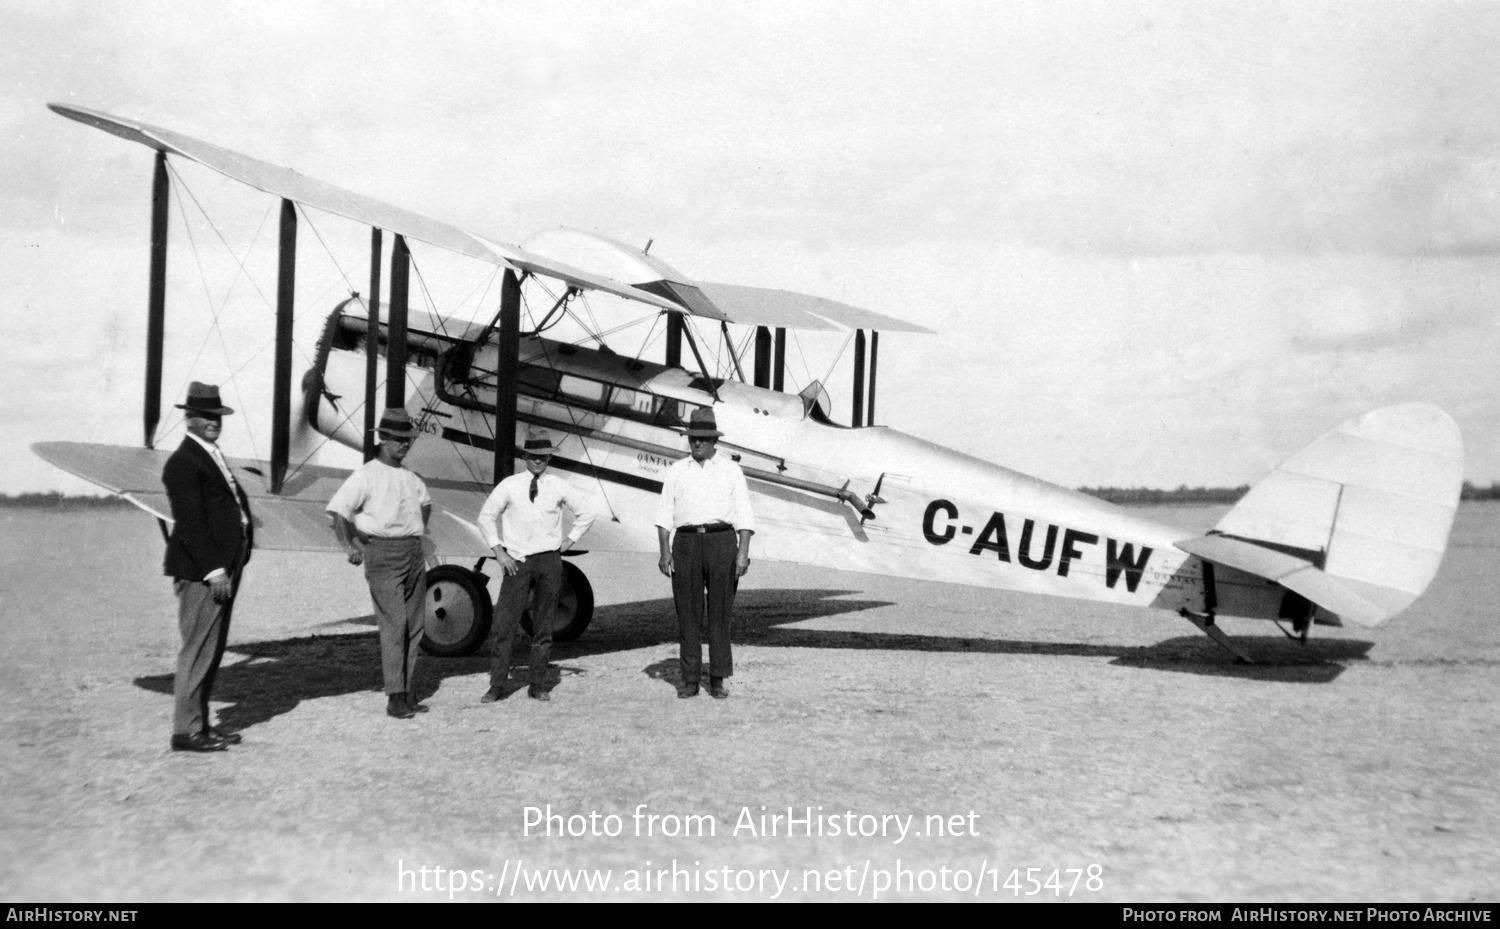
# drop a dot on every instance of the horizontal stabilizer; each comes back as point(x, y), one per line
point(1294, 574)
point(1358, 521)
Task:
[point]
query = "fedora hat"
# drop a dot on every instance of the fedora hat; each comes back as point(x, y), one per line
point(395, 421)
point(204, 398)
point(538, 443)
point(701, 425)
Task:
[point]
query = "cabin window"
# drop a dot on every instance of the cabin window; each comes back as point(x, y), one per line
point(540, 381)
point(588, 393)
point(673, 413)
point(596, 396)
point(632, 404)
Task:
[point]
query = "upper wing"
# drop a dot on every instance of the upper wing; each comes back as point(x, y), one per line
point(284, 182)
point(734, 303)
point(763, 306)
point(579, 259)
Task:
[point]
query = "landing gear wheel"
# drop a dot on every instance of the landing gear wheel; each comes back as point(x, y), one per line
point(575, 606)
point(458, 611)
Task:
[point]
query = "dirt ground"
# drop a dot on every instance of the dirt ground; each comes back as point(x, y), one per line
point(1118, 753)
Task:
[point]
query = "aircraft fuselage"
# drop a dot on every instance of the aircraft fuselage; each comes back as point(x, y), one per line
point(938, 514)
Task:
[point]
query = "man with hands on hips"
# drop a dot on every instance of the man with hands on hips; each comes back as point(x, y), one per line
point(380, 515)
point(522, 524)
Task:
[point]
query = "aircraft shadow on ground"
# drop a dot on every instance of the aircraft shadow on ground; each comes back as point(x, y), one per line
point(762, 617)
point(263, 680)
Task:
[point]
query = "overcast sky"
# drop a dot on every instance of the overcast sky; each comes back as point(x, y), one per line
point(1162, 243)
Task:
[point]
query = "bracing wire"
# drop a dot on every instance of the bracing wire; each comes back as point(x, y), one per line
point(427, 301)
point(745, 342)
point(301, 211)
point(837, 355)
point(215, 329)
point(802, 357)
point(687, 323)
point(240, 263)
point(647, 342)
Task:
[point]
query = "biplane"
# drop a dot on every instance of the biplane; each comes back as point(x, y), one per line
point(1349, 530)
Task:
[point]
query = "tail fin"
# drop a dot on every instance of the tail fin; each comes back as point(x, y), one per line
point(1357, 522)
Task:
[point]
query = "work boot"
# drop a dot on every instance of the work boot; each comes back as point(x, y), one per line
point(396, 705)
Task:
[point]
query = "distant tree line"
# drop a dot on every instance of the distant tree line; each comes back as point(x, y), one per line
point(1146, 496)
point(53, 500)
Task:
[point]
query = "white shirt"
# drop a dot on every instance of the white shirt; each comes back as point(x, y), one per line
point(218, 457)
point(382, 501)
point(713, 491)
point(525, 526)
point(234, 486)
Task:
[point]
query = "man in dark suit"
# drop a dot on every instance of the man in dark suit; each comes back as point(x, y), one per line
point(212, 533)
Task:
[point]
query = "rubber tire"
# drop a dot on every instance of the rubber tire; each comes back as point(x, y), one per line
point(575, 606)
point(458, 609)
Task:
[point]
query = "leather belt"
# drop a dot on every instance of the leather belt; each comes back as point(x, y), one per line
point(707, 527)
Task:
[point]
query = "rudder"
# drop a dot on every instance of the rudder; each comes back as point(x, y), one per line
point(1366, 510)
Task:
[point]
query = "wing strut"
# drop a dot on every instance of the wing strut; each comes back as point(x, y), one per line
point(762, 356)
point(156, 307)
point(857, 416)
point(395, 345)
point(729, 345)
point(874, 350)
point(777, 381)
point(674, 340)
point(508, 351)
point(372, 341)
point(281, 387)
point(707, 375)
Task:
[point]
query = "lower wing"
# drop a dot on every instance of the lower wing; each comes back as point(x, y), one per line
point(295, 520)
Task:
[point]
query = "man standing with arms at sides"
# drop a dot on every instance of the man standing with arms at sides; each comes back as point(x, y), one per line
point(704, 526)
point(212, 533)
point(380, 515)
point(522, 524)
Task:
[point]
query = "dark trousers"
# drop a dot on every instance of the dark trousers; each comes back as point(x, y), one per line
point(204, 625)
point(543, 572)
point(704, 563)
point(398, 585)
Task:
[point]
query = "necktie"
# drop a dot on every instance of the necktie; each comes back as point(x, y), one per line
point(223, 466)
point(234, 485)
point(533, 488)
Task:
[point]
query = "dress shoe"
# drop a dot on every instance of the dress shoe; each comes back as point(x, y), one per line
point(196, 742)
point(395, 705)
point(415, 706)
point(536, 693)
point(493, 694)
point(716, 689)
point(228, 738)
point(687, 690)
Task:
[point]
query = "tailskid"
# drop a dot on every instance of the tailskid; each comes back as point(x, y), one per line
point(1206, 624)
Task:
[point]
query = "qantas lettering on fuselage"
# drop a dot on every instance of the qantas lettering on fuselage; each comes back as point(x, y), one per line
point(940, 525)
